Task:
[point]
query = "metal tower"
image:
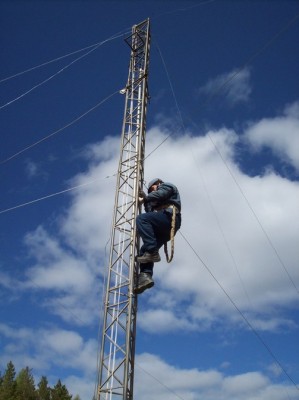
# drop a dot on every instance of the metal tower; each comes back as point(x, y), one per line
point(116, 368)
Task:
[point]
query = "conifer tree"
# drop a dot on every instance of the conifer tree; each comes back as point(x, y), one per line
point(43, 391)
point(60, 392)
point(8, 385)
point(25, 385)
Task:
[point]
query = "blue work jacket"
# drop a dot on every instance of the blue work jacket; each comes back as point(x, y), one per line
point(167, 193)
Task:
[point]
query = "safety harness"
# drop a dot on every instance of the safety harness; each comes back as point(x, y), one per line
point(175, 211)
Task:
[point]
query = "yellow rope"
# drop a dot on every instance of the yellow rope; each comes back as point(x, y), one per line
point(172, 233)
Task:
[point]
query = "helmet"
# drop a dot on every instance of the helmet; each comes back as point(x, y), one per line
point(152, 182)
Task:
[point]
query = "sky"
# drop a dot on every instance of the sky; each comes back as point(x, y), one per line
point(222, 320)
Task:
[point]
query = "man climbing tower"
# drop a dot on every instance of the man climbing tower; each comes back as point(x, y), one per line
point(158, 225)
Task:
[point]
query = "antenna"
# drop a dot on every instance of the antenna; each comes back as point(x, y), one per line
point(116, 368)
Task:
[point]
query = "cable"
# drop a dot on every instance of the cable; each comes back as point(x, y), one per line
point(267, 236)
point(251, 58)
point(161, 383)
point(216, 91)
point(52, 195)
point(173, 93)
point(54, 60)
point(60, 129)
point(47, 62)
point(210, 201)
point(176, 104)
point(58, 72)
point(184, 9)
point(255, 215)
point(245, 319)
point(172, 89)
point(240, 312)
point(238, 71)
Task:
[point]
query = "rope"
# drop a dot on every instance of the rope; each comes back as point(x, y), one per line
point(172, 233)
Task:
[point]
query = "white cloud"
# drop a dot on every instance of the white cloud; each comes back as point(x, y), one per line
point(158, 320)
point(84, 386)
point(46, 347)
point(154, 378)
point(67, 279)
point(226, 234)
point(63, 342)
point(51, 349)
point(55, 348)
point(280, 134)
point(242, 228)
point(86, 225)
point(235, 85)
point(67, 271)
point(71, 261)
point(245, 383)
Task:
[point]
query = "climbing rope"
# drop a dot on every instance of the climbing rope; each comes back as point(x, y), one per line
point(172, 233)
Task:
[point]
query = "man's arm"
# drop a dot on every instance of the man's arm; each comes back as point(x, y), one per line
point(163, 193)
point(158, 197)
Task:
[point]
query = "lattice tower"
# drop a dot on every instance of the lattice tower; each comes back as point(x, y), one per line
point(116, 365)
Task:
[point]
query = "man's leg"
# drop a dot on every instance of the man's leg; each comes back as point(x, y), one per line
point(144, 280)
point(155, 232)
point(145, 227)
point(148, 266)
point(154, 229)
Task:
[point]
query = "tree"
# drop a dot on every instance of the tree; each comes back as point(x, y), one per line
point(8, 386)
point(25, 385)
point(43, 391)
point(60, 392)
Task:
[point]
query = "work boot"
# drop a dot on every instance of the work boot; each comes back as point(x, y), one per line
point(149, 257)
point(145, 281)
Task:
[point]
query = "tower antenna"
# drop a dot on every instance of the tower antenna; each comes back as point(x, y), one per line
point(116, 363)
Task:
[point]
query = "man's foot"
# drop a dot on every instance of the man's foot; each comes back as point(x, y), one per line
point(149, 257)
point(145, 281)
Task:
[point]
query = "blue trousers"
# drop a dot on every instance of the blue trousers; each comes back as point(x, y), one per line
point(154, 230)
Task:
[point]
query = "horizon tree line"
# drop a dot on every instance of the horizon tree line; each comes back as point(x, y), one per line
point(21, 386)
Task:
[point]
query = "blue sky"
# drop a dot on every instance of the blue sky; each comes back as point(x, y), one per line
point(222, 319)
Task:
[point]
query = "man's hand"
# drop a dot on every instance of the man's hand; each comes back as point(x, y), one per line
point(141, 197)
